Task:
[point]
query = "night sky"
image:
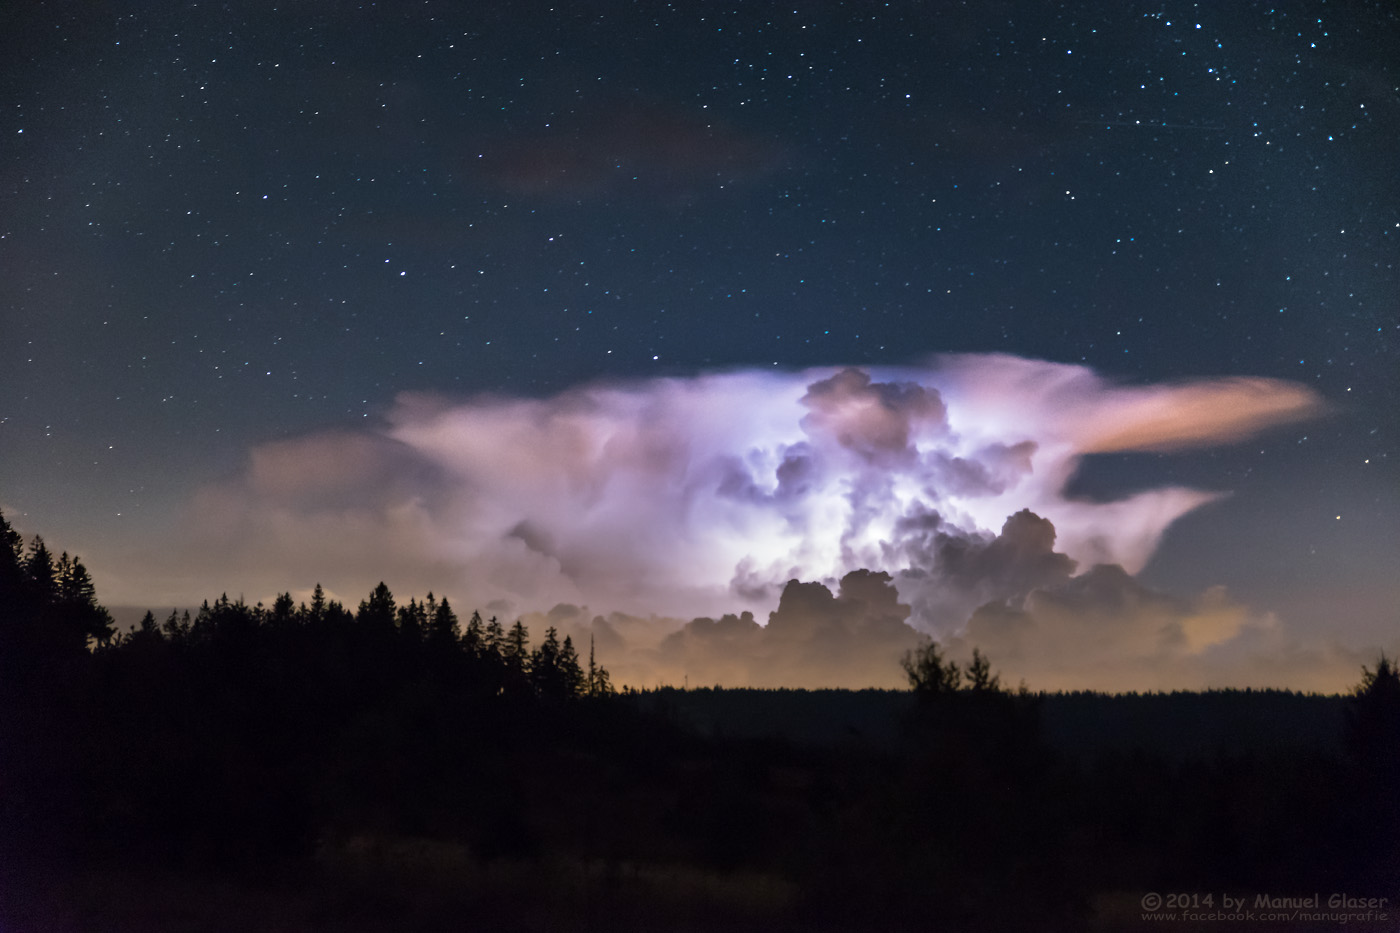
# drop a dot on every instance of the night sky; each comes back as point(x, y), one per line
point(245, 248)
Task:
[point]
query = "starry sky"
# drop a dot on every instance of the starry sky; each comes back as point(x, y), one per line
point(242, 240)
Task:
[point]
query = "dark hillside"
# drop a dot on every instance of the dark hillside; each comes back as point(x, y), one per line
point(1171, 726)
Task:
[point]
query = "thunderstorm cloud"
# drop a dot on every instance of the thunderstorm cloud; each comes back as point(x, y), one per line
point(858, 507)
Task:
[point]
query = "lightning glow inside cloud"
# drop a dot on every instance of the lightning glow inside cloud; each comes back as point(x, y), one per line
point(683, 496)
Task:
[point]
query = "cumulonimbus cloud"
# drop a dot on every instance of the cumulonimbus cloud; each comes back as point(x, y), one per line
point(703, 495)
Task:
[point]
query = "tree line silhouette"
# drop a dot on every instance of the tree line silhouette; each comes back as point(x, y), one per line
point(500, 659)
point(393, 766)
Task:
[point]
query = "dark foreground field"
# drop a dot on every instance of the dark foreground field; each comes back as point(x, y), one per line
point(309, 768)
point(422, 807)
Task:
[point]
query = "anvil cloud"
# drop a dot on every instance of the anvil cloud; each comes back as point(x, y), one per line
point(683, 496)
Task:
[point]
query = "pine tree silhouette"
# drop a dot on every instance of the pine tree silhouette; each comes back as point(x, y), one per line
point(598, 681)
point(442, 627)
point(376, 614)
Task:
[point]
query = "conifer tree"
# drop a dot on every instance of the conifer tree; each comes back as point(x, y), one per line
point(495, 644)
point(443, 623)
point(599, 683)
point(570, 673)
point(15, 605)
point(226, 619)
point(516, 650)
point(412, 620)
point(544, 665)
point(72, 585)
point(929, 673)
point(148, 629)
point(338, 615)
point(283, 610)
point(77, 610)
point(1373, 723)
point(11, 548)
point(980, 678)
point(317, 611)
point(376, 614)
point(40, 573)
point(177, 628)
point(474, 636)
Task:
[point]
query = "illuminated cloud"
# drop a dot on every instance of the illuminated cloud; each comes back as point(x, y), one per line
point(679, 495)
point(707, 495)
point(1106, 630)
point(674, 498)
point(1101, 630)
point(815, 638)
